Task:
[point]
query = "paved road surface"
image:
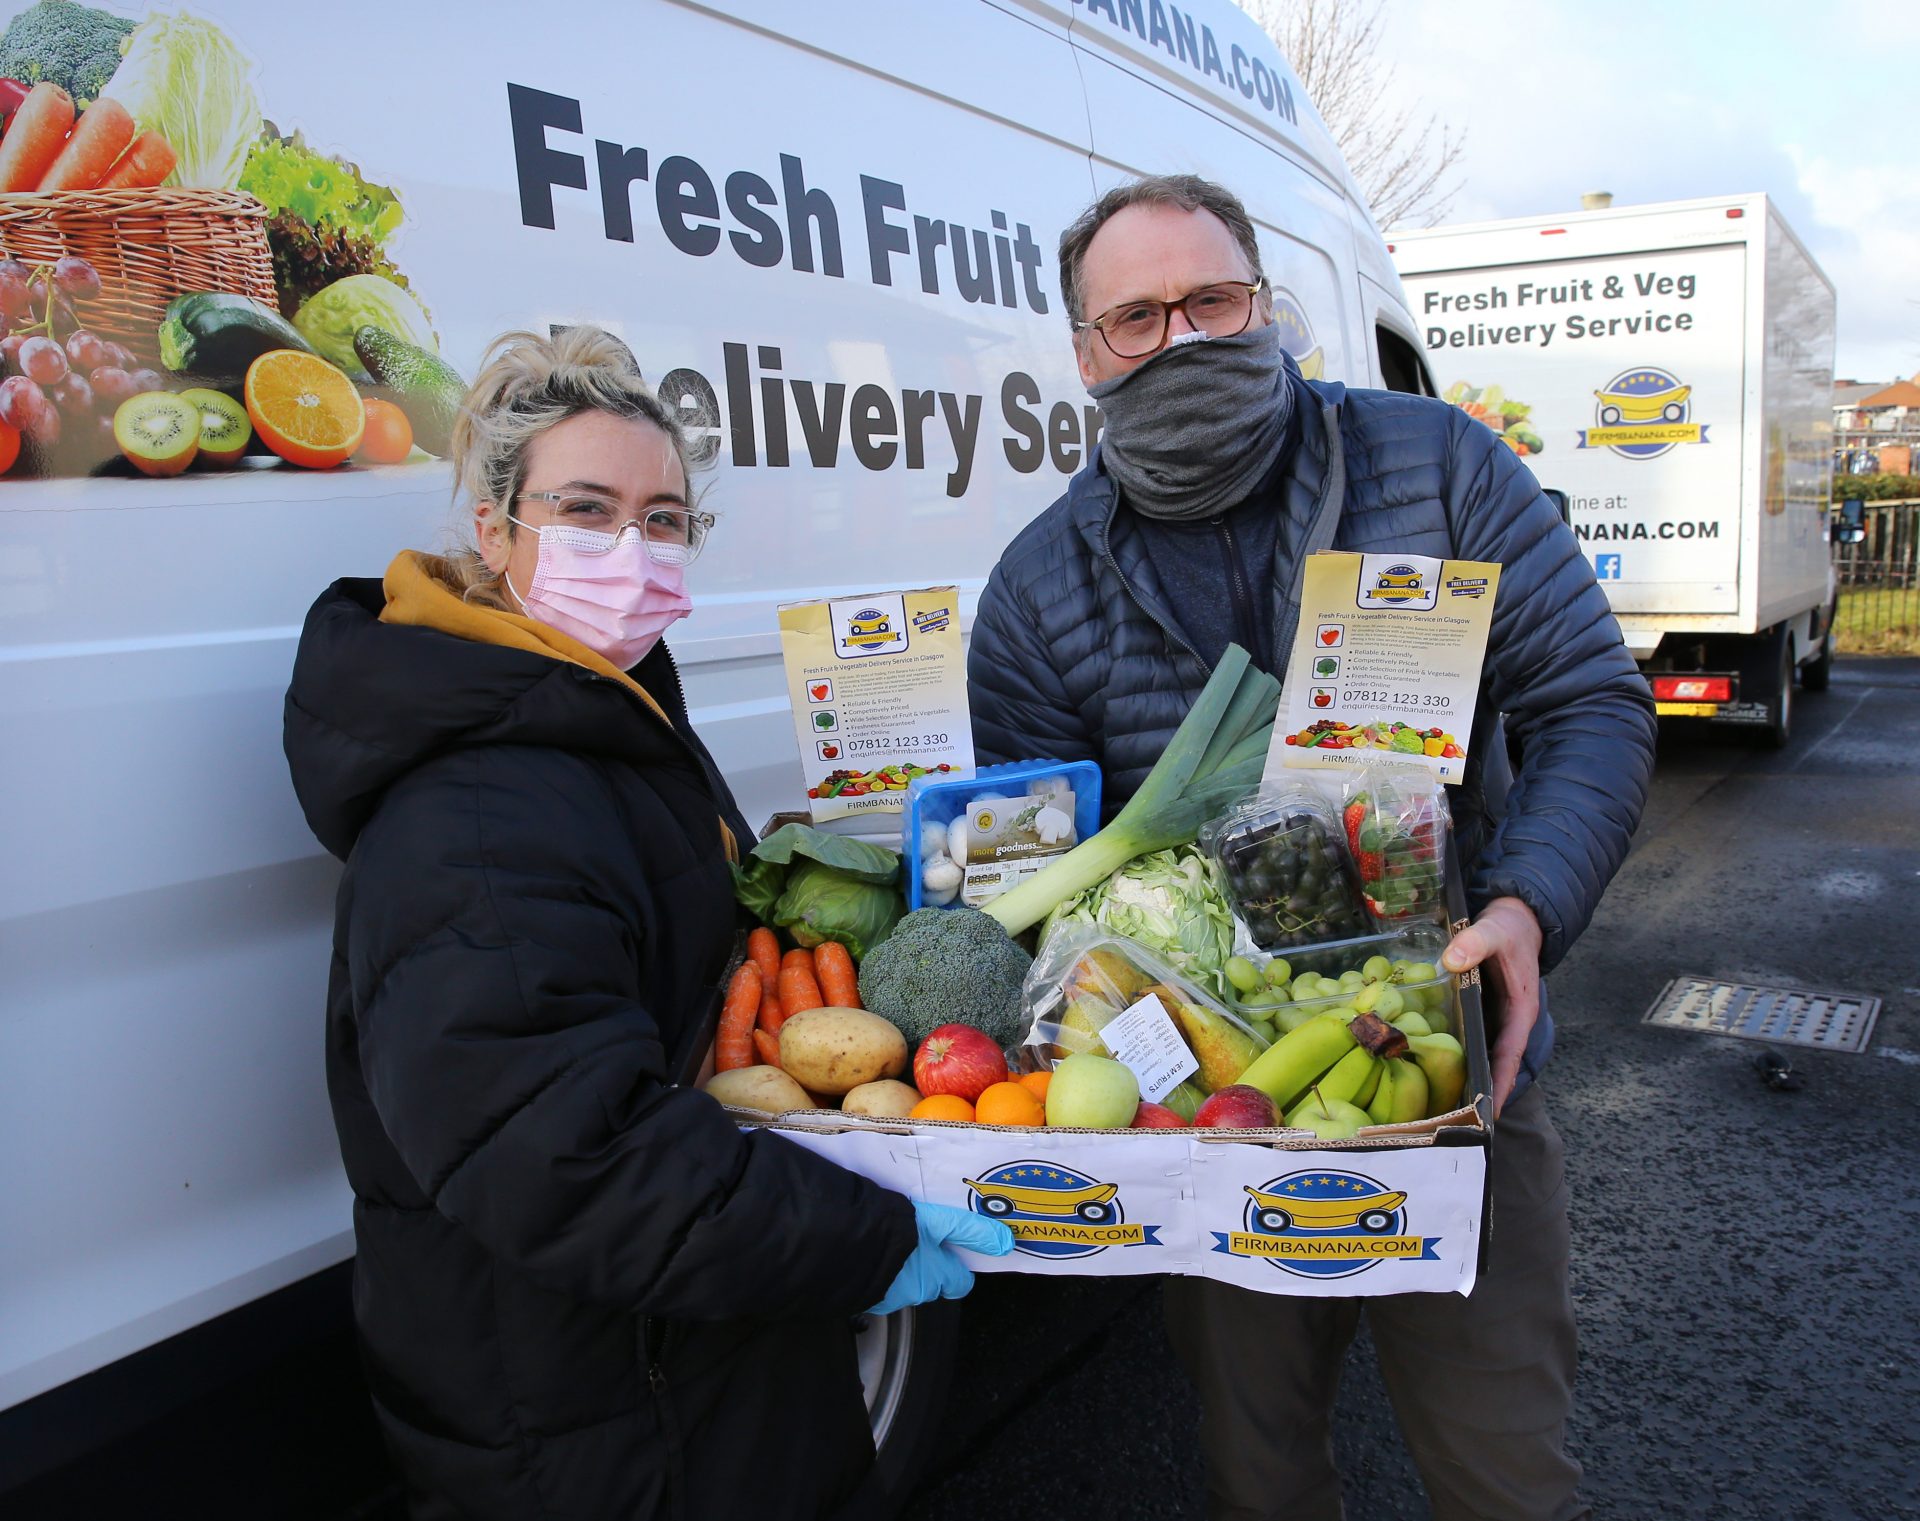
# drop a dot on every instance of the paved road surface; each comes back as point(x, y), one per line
point(1743, 1258)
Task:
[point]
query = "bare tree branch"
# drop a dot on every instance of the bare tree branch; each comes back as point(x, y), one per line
point(1404, 163)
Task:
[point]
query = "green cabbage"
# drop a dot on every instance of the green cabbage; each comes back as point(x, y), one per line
point(331, 316)
point(184, 78)
point(818, 886)
point(1167, 902)
point(822, 904)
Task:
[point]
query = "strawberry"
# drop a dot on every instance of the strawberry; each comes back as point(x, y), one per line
point(1371, 862)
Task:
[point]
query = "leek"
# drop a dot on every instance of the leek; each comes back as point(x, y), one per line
point(1214, 758)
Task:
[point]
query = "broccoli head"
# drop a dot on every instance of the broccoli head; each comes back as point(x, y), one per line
point(75, 46)
point(944, 966)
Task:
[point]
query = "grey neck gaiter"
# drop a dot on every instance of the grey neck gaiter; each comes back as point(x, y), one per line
point(1194, 429)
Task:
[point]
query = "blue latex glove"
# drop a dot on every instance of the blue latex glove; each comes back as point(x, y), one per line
point(935, 1270)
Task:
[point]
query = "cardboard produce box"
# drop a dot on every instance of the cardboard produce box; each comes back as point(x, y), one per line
point(1396, 1209)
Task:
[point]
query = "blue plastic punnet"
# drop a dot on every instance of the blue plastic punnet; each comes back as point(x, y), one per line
point(942, 799)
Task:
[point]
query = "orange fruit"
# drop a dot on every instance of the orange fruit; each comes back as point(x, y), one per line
point(1036, 1084)
point(1010, 1104)
point(941, 1106)
point(389, 436)
point(304, 409)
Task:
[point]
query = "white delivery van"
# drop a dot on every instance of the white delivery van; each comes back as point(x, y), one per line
point(1669, 367)
point(827, 232)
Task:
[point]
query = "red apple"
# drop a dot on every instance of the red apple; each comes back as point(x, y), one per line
point(1329, 635)
point(958, 1059)
point(1156, 1117)
point(1238, 1106)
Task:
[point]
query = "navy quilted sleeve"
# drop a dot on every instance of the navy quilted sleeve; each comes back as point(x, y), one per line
point(1021, 710)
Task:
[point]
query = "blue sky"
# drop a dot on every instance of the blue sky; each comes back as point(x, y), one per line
point(1698, 98)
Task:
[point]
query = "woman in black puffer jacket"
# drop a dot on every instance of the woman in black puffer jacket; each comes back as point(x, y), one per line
point(581, 1291)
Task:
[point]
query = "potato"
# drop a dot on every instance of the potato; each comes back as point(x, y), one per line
point(886, 1099)
point(767, 1089)
point(836, 1050)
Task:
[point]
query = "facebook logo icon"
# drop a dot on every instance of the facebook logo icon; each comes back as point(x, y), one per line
point(1606, 567)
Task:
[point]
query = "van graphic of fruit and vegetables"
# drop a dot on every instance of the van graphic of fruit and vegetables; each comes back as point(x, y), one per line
point(1500, 412)
point(1054, 1210)
point(267, 324)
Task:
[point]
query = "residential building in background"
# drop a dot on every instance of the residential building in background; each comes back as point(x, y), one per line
point(1876, 426)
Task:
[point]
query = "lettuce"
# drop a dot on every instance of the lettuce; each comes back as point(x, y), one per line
point(184, 78)
point(1166, 901)
point(331, 317)
point(284, 174)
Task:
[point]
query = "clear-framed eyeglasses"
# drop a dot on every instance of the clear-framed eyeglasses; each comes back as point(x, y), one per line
point(1134, 329)
point(670, 535)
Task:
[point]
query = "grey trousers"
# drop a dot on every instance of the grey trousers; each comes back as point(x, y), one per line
point(1482, 1385)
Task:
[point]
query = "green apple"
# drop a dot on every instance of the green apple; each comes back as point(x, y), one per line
point(1330, 1119)
point(1091, 1092)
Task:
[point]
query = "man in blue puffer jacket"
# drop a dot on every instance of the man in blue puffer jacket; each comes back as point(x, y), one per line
point(1220, 468)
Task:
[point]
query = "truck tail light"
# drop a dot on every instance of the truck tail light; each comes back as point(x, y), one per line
point(1693, 689)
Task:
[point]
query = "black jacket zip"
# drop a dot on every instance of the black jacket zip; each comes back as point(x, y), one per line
point(1243, 620)
point(653, 1343)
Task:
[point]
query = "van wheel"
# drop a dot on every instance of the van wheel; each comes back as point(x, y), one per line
point(906, 1365)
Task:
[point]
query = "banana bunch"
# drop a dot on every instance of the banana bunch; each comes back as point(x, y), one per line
point(1339, 1071)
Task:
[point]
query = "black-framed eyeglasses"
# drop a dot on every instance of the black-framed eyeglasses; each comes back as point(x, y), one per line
point(1134, 329)
point(671, 535)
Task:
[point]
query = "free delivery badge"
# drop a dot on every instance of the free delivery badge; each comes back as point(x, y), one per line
point(1386, 663)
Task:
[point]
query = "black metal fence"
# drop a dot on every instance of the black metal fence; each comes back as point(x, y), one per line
point(1880, 582)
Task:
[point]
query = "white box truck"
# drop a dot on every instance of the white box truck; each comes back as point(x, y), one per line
point(828, 229)
point(1670, 368)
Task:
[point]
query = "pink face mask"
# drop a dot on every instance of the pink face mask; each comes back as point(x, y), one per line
point(605, 589)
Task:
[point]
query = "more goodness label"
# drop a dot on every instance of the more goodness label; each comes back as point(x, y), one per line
point(878, 687)
point(1386, 665)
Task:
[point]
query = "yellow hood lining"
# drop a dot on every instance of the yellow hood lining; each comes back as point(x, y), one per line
point(420, 594)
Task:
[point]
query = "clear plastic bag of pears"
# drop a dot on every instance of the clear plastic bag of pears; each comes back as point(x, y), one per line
point(1085, 977)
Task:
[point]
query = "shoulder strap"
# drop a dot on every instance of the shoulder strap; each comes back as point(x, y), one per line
point(1321, 528)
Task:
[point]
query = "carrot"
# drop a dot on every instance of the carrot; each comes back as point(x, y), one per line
point(733, 1047)
point(763, 949)
point(145, 164)
point(99, 138)
point(799, 991)
point(833, 964)
point(768, 1046)
point(772, 1016)
point(38, 133)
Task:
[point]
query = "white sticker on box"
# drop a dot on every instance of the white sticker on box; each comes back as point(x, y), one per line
point(1145, 1039)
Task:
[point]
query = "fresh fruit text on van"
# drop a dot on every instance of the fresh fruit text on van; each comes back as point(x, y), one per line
point(978, 264)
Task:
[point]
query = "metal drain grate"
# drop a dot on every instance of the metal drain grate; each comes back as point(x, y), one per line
point(1786, 1016)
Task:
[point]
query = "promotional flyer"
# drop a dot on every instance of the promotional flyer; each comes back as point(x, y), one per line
point(878, 684)
point(1386, 664)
